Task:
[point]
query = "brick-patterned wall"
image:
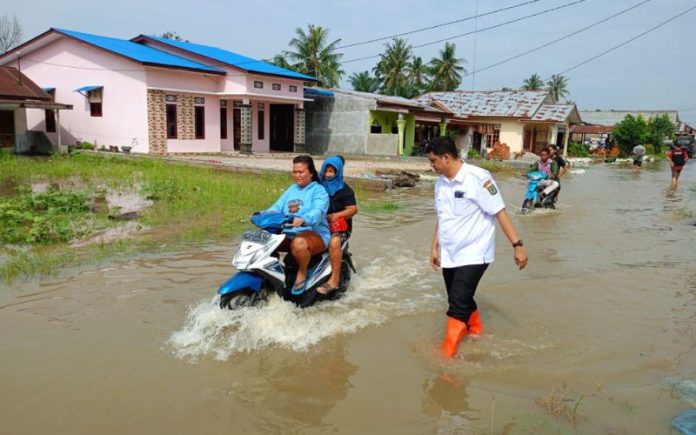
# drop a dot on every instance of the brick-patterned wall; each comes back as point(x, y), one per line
point(185, 117)
point(156, 122)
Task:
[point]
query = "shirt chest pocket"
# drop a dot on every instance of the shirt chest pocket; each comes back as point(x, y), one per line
point(460, 206)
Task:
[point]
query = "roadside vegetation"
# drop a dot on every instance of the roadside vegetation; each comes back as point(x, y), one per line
point(187, 204)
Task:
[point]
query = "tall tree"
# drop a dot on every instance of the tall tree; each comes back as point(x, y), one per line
point(10, 33)
point(659, 129)
point(364, 82)
point(281, 61)
point(392, 68)
point(417, 76)
point(446, 70)
point(558, 85)
point(173, 36)
point(533, 83)
point(315, 56)
point(629, 133)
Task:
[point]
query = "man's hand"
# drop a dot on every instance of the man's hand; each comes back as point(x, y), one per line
point(331, 217)
point(435, 259)
point(520, 257)
point(297, 222)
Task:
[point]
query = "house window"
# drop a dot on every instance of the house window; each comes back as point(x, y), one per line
point(95, 109)
point(493, 134)
point(292, 88)
point(262, 123)
point(258, 84)
point(171, 121)
point(95, 102)
point(199, 115)
point(276, 86)
point(223, 123)
point(50, 121)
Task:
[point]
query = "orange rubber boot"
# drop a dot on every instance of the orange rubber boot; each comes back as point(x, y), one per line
point(456, 330)
point(475, 325)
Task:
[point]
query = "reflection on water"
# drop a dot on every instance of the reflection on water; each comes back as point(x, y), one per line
point(604, 312)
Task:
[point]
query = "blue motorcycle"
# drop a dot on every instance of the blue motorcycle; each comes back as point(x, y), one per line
point(261, 272)
point(533, 198)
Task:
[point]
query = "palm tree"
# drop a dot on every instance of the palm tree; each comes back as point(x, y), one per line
point(558, 85)
point(533, 83)
point(446, 70)
point(315, 57)
point(392, 67)
point(417, 76)
point(364, 82)
point(281, 61)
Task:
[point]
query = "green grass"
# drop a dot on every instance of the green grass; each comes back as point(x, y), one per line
point(379, 206)
point(190, 203)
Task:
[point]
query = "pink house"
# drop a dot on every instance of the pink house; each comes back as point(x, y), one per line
point(161, 96)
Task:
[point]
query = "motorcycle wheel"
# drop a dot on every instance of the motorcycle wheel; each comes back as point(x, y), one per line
point(240, 300)
point(344, 277)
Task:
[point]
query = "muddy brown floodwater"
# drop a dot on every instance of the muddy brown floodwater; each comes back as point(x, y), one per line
point(597, 335)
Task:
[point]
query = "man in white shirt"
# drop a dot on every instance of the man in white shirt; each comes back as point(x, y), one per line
point(468, 203)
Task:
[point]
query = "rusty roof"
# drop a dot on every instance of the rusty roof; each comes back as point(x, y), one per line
point(557, 113)
point(16, 86)
point(513, 104)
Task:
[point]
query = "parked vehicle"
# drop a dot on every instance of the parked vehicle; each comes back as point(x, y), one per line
point(261, 272)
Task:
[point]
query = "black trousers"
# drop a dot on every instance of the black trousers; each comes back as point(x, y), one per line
point(461, 283)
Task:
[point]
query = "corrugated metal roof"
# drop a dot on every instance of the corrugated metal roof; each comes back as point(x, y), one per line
point(139, 52)
point(613, 117)
point(553, 112)
point(236, 60)
point(515, 104)
point(312, 92)
point(390, 100)
point(16, 86)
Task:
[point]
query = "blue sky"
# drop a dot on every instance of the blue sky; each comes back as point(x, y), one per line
point(653, 72)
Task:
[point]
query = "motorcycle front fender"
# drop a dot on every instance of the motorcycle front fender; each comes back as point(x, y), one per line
point(241, 281)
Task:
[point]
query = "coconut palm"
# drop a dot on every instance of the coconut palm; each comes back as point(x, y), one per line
point(392, 68)
point(446, 70)
point(417, 76)
point(558, 85)
point(281, 61)
point(316, 57)
point(533, 83)
point(364, 82)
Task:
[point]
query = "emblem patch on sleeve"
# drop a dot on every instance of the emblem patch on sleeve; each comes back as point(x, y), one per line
point(490, 187)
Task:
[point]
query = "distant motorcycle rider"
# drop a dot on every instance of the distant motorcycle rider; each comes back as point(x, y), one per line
point(548, 167)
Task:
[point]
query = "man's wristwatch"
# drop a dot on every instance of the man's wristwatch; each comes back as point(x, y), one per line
point(518, 243)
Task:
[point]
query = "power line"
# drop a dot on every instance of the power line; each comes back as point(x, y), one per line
point(477, 31)
point(517, 56)
point(423, 29)
point(629, 40)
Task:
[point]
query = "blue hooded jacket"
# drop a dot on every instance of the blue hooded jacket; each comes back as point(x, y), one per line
point(336, 183)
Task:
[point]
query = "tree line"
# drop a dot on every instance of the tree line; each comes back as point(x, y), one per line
point(398, 71)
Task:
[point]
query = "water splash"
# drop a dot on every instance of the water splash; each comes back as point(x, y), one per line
point(387, 288)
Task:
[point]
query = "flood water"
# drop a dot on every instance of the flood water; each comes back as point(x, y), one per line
point(597, 335)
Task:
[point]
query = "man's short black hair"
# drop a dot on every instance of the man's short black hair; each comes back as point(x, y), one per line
point(442, 145)
point(555, 148)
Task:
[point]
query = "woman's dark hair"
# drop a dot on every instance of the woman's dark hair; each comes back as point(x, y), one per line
point(309, 162)
point(442, 145)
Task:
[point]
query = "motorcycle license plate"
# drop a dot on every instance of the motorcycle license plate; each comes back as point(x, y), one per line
point(256, 236)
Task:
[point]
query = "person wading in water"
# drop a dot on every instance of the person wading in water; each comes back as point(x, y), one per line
point(467, 204)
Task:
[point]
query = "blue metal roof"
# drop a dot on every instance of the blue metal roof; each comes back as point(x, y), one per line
point(48, 88)
point(138, 52)
point(89, 88)
point(319, 92)
point(234, 59)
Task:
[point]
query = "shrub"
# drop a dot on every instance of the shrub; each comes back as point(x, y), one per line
point(473, 154)
point(577, 149)
point(87, 146)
